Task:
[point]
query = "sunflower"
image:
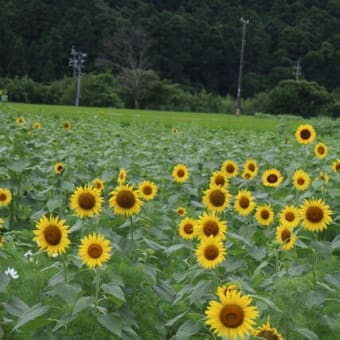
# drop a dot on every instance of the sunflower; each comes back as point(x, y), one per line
point(301, 180)
point(244, 202)
point(86, 201)
point(219, 178)
point(230, 168)
point(324, 176)
point(125, 201)
point(174, 130)
point(147, 190)
point(286, 237)
point(94, 250)
point(290, 216)
point(5, 197)
point(67, 125)
point(248, 175)
point(181, 211)
point(210, 225)
point(267, 332)
point(187, 228)
point(121, 176)
point(210, 252)
point(1, 241)
point(264, 214)
point(216, 198)
point(1, 223)
point(59, 168)
point(221, 291)
point(36, 125)
point(305, 134)
point(20, 121)
point(233, 316)
point(51, 235)
point(180, 173)
point(98, 184)
point(336, 166)
point(320, 150)
point(272, 178)
point(251, 166)
point(315, 214)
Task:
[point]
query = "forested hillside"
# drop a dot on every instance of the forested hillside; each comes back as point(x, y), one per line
point(195, 43)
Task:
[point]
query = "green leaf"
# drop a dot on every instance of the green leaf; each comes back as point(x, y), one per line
point(4, 281)
point(171, 322)
point(65, 320)
point(313, 299)
point(267, 301)
point(240, 238)
point(53, 204)
point(336, 242)
point(67, 292)
point(112, 323)
point(17, 166)
point(186, 330)
point(82, 303)
point(15, 306)
point(113, 290)
point(31, 314)
point(298, 269)
point(258, 253)
point(163, 290)
point(306, 333)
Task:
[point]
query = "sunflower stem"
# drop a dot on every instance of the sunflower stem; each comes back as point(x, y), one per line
point(315, 262)
point(97, 287)
point(131, 227)
point(65, 269)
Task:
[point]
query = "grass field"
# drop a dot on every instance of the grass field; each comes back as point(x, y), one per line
point(196, 261)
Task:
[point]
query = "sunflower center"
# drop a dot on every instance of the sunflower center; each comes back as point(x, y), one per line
point(321, 150)
point(211, 252)
point(180, 211)
point(247, 175)
point(264, 214)
point(231, 316)
point(251, 167)
point(305, 134)
point(244, 202)
point(337, 167)
point(230, 168)
point(219, 180)
point(285, 235)
point(217, 198)
point(147, 190)
point(86, 201)
point(126, 199)
point(188, 228)
point(180, 173)
point(290, 216)
point(60, 168)
point(52, 235)
point(3, 197)
point(272, 178)
point(300, 181)
point(210, 228)
point(267, 334)
point(314, 214)
point(95, 250)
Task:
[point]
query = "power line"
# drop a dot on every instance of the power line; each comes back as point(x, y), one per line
point(297, 70)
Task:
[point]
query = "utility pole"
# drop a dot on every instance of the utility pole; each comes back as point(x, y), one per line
point(297, 70)
point(77, 61)
point(245, 22)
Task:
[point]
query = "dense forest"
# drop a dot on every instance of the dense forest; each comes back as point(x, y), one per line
point(195, 43)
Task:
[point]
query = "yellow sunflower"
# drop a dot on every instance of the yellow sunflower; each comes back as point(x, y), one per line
point(125, 200)
point(244, 202)
point(216, 198)
point(324, 176)
point(180, 173)
point(121, 176)
point(187, 228)
point(272, 178)
point(36, 125)
point(301, 180)
point(67, 125)
point(210, 252)
point(221, 291)
point(290, 216)
point(86, 201)
point(1, 241)
point(268, 332)
point(210, 225)
point(181, 211)
point(336, 166)
point(264, 214)
point(5, 197)
point(248, 175)
point(285, 236)
point(1, 223)
point(230, 168)
point(233, 316)
point(59, 168)
point(251, 166)
point(315, 214)
point(174, 130)
point(98, 184)
point(20, 121)
point(219, 178)
point(52, 235)
point(320, 150)
point(147, 190)
point(94, 250)
point(305, 134)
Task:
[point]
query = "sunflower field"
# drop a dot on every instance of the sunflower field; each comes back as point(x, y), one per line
point(124, 229)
